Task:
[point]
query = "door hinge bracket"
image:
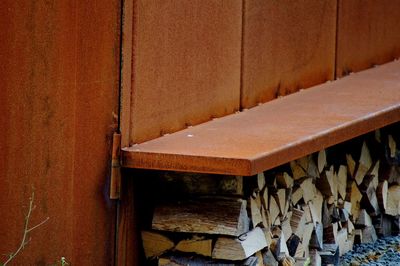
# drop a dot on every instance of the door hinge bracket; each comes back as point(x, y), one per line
point(115, 184)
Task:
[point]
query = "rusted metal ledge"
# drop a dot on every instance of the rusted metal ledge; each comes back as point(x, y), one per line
point(279, 131)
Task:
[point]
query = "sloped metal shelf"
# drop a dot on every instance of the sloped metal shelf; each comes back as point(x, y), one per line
point(279, 131)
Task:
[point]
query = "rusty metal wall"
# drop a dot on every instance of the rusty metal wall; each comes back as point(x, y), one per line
point(368, 34)
point(287, 45)
point(59, 90)
point(186, 64)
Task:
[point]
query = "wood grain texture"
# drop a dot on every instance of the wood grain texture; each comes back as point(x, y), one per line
point(368, 34)
point(287, 45)
point(186, 64)
point(209, 216)
point(59, 89)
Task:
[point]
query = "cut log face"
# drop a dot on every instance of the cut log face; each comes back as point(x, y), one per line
point(392, 146)
point(364, 164)
point(209, 216)
point(261, 181)
point(297, 170)
point(155, 244)
point(227, 248)
point(355, 199)
point(342, 181)
point(308, 188)
point(364, 219)
point(382, 193)
point(298, 222)
point(256, 216)
point(351, 165)
point(393, 200)
point(321, 160)
point(197, 245)
point(284, 180)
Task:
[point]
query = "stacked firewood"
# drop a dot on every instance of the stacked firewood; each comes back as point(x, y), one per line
point(307, 212)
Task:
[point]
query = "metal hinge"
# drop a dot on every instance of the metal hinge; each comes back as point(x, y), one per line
point(115, 184)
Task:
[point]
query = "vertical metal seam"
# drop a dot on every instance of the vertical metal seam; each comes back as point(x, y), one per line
point(336, 40)
point(242, 56)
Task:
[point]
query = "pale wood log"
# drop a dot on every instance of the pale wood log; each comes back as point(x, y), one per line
point(316, 240)
point(315, 258)
point(317, 204)
point(393, 200)
point(375, 173)
point(298, 171)
point(369, 235)
point(382, 193)
point(342, 181)
point(355, 199)
point(297, 195)
point(281, 199)
point(350, 227)
point(286, 229)
point(298, 222)
point(155, 244)
point(265, 197)
point(198, 245)
point(279, 247)
point(327, 183)
point(364, 164)
point(364, 219)
point(273, 209)
point(369, 200)
point(308, 230)
point(284, 180)
point(312, 170)
point(308, 188)
point(269, 259)
point(261, 181)
point(392, 146)
point(321, 160)
point(342, 241)
point(239, 248)
point(351, 165)
point(330, 233)
point(256, 216)
point(190, 260)
point(221, 216)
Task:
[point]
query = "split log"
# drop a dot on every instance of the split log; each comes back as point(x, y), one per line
point(239, 248)
point(273, 209)
point(393, 201)
point(327, 183)
point(330, 234)
point(206, 215)
point(308, 188)
point(321, 160)
point(297, 195)
point(298, 222)
point(256, 216)
point(261, 181)
point(392, 146)
point(342, 181)
point(369, 235)
point(364, 164)
point(198, 245)
point(298, 171)
point(355, 199)
point(342, 241)
point(284, 180)
point(316, 240)
point(364, 219)
point(351, 165)
point(369, 200)
point(381, 193)
point(286, 229)
point(312, 170)
point(279, 247)
point(155, 244)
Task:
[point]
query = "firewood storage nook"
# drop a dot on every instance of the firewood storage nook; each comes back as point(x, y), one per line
point(246, 137)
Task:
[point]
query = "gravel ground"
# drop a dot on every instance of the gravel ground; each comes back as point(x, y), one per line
point(384, 252)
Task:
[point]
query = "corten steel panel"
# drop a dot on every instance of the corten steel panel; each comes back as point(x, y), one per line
point(287, 46)
point(186, 64)
point(368, 34)
point(59, 89)
point(279, 131)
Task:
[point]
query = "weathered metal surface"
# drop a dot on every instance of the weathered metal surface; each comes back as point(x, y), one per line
point(368, 34)
point(59, 89)
point(186, 64)
point(279, 131)
point(287, 45)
